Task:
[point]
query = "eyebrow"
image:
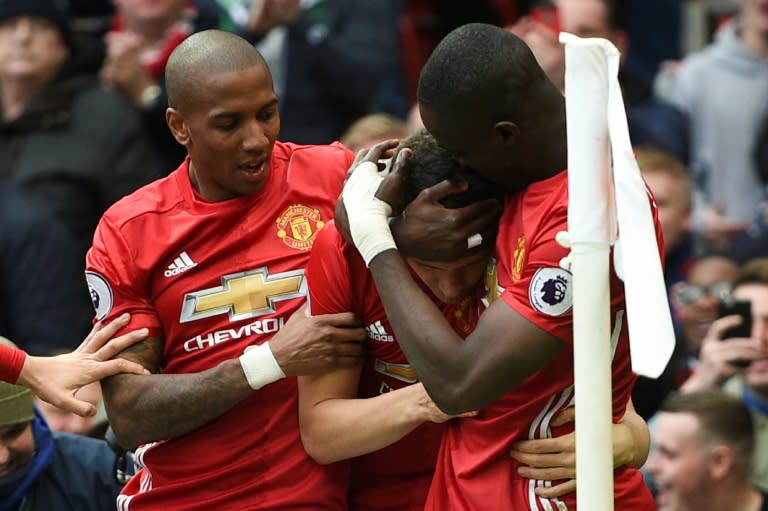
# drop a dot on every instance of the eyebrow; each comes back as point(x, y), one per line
point(228, 114)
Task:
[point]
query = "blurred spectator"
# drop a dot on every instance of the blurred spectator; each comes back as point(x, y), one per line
point(44, 302)
point(64, 140)
point(723, 130)
point(372, 129)
point(740, 365)
point(703, 443)
point(667, 179)
point(695, 301)
point(42, 471)
point(336, 61)
point(651, 121)
point(142, 36)
point(63, 421)
point(672, 191)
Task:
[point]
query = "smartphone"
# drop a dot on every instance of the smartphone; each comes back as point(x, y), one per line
point(741, 308)
point(547, 16)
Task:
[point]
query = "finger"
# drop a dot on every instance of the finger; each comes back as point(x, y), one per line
point(479, 216)
point(443, 189)
point(390, 190)
point(547, 474)
point(120, 344)
point(339, 319)
point(557, 490)
point(544, 445)
point(96, 327)
point(117, 366)
point(564, 417)
point(380, 150)
point(721, 325)
point(104, 334)
point(81, 408)
point(544, 461)
point(473, 413)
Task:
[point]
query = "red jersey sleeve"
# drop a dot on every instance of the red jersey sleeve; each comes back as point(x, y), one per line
point(542, 293)
point(11, 361)
point(115, 284)
point(328, 274)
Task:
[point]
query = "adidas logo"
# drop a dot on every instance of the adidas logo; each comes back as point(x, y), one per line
point(377, 333)
point(180, 265)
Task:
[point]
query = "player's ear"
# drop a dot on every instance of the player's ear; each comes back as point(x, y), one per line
point(178, 125)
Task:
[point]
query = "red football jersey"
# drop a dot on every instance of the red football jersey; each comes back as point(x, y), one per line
point(397, 477)
point(212, 279)
point(474, 470)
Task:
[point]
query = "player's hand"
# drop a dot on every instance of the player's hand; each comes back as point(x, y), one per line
point(368, 215)
point(57, 379)
point(550, 459)
point(428, 410)
point(718, 358)
point(265, 15)
point(313, 344)
point(123, 69)
point(427, 229)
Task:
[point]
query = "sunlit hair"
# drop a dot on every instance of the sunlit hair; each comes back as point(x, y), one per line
point(722, 419)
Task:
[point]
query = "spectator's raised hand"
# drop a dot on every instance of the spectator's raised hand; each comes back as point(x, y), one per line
point(719, 358)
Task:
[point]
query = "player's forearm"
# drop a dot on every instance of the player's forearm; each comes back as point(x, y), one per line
point(339, 429)
point(144, 409)
point(432, 347)
point(632, 443)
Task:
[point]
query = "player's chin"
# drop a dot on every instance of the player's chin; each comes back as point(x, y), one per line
point(252, 180)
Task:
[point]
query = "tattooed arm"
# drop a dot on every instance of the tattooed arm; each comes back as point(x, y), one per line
point(162, 406)
point(144, 409)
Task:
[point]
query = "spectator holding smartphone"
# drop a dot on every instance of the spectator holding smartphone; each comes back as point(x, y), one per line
point(740, 364)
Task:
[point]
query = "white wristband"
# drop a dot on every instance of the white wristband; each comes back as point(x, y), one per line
point(260, 366)
point(368, 215)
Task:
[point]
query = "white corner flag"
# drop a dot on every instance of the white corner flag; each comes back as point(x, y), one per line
point(608, 205)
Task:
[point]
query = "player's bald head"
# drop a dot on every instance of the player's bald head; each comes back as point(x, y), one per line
point(202, 55)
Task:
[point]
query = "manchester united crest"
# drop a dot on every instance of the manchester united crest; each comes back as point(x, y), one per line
point(298, 226)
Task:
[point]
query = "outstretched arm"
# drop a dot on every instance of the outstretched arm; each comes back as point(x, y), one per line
point(335, 425)
point(143, 409)
point(57, 379)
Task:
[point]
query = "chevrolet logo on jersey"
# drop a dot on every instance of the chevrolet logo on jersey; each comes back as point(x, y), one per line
point(402, 372)
point(244, 295)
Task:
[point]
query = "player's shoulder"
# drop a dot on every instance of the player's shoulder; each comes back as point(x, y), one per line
point(319, 163)
point(154, 198)
point(329, 238)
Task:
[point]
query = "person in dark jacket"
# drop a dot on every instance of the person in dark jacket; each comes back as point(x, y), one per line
point(64, 140)
point(44, 471)
point(44, 301)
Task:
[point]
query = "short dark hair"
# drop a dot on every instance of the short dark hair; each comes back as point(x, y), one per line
point(754, 271)
point(481, 67)
point(722, 418)
point(430, 164)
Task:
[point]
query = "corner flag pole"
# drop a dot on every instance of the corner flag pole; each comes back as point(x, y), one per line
point(608, 205)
